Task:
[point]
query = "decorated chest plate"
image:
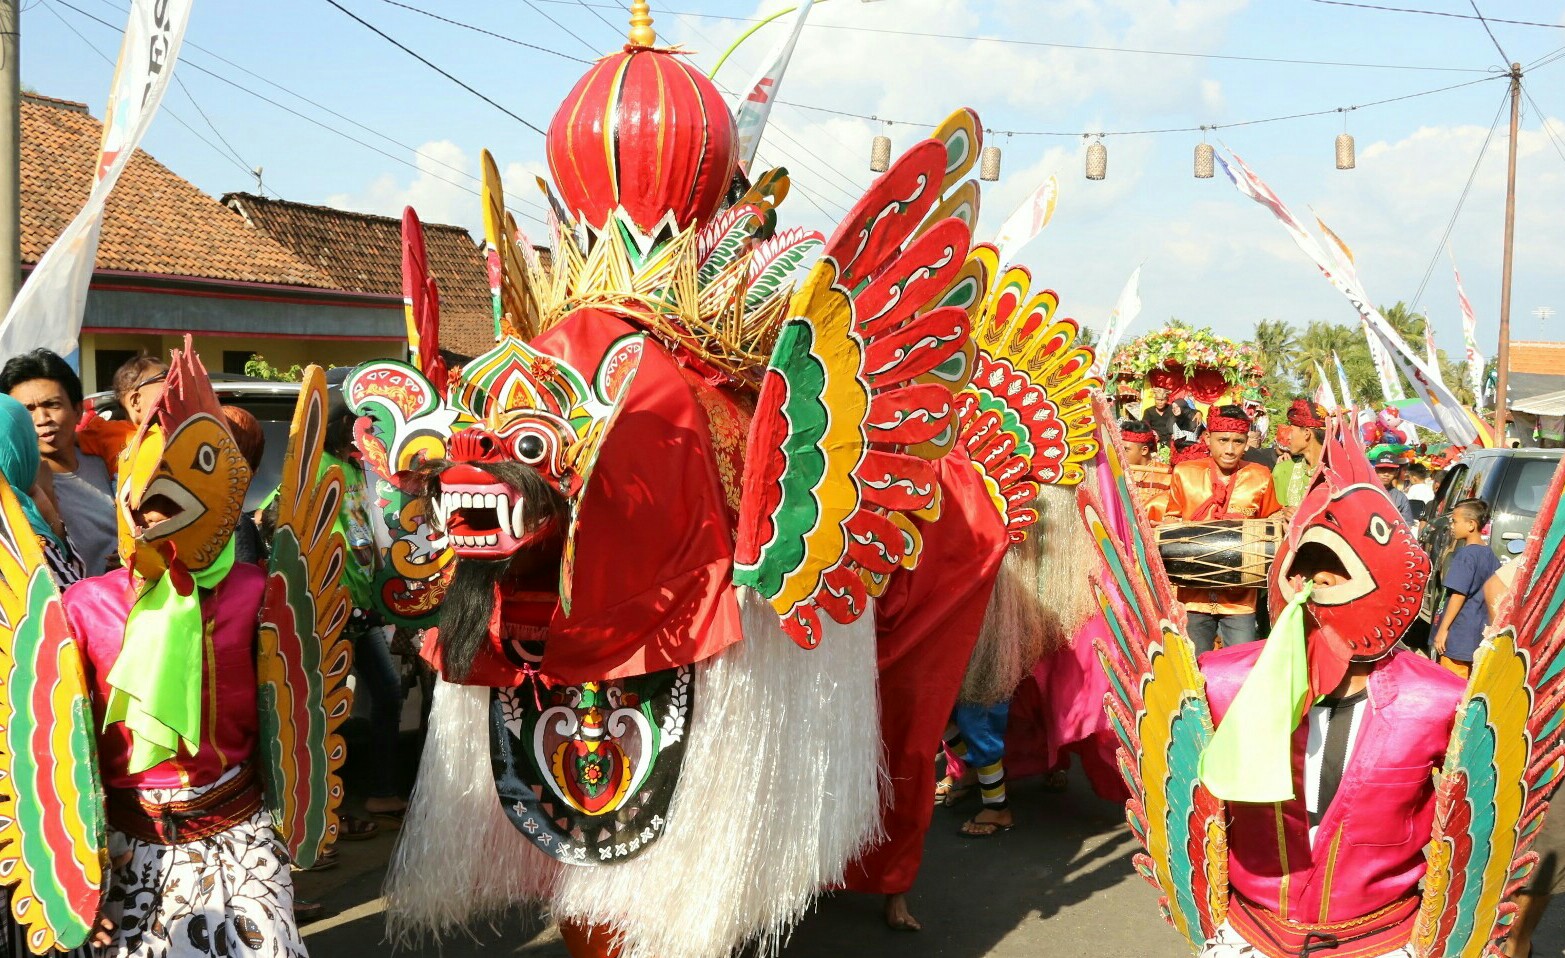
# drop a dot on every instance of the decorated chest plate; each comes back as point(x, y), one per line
point(587, 771)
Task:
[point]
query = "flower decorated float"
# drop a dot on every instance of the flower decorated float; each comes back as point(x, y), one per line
point(1190, 363)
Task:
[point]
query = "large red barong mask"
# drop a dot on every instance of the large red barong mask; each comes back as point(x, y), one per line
point(1348, 524)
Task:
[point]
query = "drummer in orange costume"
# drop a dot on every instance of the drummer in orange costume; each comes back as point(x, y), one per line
point(1149, 478)
point(1223, 486)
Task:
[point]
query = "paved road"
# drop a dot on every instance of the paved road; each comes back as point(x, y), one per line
point(1059, 884)
point(1062, 876)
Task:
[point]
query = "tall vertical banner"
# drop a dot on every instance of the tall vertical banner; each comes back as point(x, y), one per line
point(1475, 360)
point(1029, 219)
point(1342, 259)
point(762, 91)
point(48, 310)
point(1323, 393)
point(1432, 354)
point(421, 302)
point(1454, 420)
point(1342, 380)
point(1125, 312)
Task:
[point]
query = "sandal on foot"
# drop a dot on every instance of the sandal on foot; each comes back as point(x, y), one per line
point(356, 829)
point(306, 911)
point(991, 829)
point(948, 792)
point(391, 820)
point(325, 861)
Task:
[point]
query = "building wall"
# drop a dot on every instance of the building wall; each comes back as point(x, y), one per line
point(101, 352)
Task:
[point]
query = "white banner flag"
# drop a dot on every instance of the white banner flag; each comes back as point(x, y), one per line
point(1028, 221)
point(762, 91)
point(1431, 353)
point(1323, 393)
point(1453, 420)
point(1342, 259)
point(1475, 360)
point(1342, 380)
point(1125, 312)
point(48, 310)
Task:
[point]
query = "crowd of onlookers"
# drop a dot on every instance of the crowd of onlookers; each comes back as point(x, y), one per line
point(61, 460)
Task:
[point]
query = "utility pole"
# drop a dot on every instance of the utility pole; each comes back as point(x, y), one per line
point(10, 153)
point(1503, 354)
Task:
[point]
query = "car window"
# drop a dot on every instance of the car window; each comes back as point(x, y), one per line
point(1525, 484)
point(1450, 488)
point(1473, 483)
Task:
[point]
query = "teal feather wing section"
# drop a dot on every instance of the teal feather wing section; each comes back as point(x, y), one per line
point(1504, 758)
point(1158, 706)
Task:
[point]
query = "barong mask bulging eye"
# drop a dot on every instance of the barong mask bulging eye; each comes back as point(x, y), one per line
point(1347, 525)
point(182, 478)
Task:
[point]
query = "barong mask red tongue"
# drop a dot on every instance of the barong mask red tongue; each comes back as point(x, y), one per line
point(1347, 523)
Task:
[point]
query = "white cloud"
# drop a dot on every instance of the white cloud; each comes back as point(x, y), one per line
point(439, 190)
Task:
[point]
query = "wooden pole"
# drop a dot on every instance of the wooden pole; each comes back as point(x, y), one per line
point(1503, 353)
point(10, 153)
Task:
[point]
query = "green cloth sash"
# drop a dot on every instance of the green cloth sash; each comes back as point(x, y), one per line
point(155, 685)
point(1249, 758)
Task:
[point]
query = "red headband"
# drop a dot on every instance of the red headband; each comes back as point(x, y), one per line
point(1217, 423)
point(1134, 431)
point(1307, 414)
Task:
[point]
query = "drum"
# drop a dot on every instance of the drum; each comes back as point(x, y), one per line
point(1221, 554)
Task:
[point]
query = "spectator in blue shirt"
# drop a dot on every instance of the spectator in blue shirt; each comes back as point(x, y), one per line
point(1470, 564)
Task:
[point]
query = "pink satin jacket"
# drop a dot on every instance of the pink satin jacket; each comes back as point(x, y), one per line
point(97, 609)
point(1369, 850)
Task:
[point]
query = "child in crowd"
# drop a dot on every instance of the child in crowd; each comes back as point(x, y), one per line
point(1468, 567)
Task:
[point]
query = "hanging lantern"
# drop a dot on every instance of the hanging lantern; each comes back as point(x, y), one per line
point(1204, 162)
point(989, 164)
point(1097, 160)
point(880, 154)
point(1345, 157)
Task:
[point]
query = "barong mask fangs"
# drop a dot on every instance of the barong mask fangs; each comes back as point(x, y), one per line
point(1348, 523)
point(182, 478)
point(530, 410)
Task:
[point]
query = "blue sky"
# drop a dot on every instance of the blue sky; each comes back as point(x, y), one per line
point(1209, 255)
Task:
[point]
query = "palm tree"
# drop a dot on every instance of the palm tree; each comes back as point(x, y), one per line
point(1408, 324)
point(1279, 344)
point(1318, 346)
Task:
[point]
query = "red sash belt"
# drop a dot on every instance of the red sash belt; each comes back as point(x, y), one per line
point(177, 823)
point(1374, 934)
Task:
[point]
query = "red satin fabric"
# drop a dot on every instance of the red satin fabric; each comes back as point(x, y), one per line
point(1381, 817)
point(97, 609)
point(926, 625)
point(654, 544)
point(645, 130)
point(588, 941)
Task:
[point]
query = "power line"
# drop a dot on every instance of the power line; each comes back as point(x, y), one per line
point(594, 12)
point(296, 95)
point(1181, 129)
point(325, 126)
point(219, 133)
point(487, 33)
point(1486, 29)
point(1438, 13)
point(405, 49)
point(1461, 200)
point(536, 9)
point(235, 159)
point(1071, 46)
point(1543, 118)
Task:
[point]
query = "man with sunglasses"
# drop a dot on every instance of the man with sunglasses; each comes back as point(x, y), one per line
point(52, 392)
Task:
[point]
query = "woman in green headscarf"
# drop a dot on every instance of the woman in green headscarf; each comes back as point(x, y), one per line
point(20, 463)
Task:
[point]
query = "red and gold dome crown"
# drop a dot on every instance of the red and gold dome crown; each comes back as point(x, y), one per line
point(644, 131)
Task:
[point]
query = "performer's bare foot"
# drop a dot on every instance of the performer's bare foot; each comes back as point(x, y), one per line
point(950, 791)
point(988, 823)
point(898, 918)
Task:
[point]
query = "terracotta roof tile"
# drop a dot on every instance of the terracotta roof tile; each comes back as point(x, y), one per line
point(363, 252)
point(154, 221)
point(1534, 357)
